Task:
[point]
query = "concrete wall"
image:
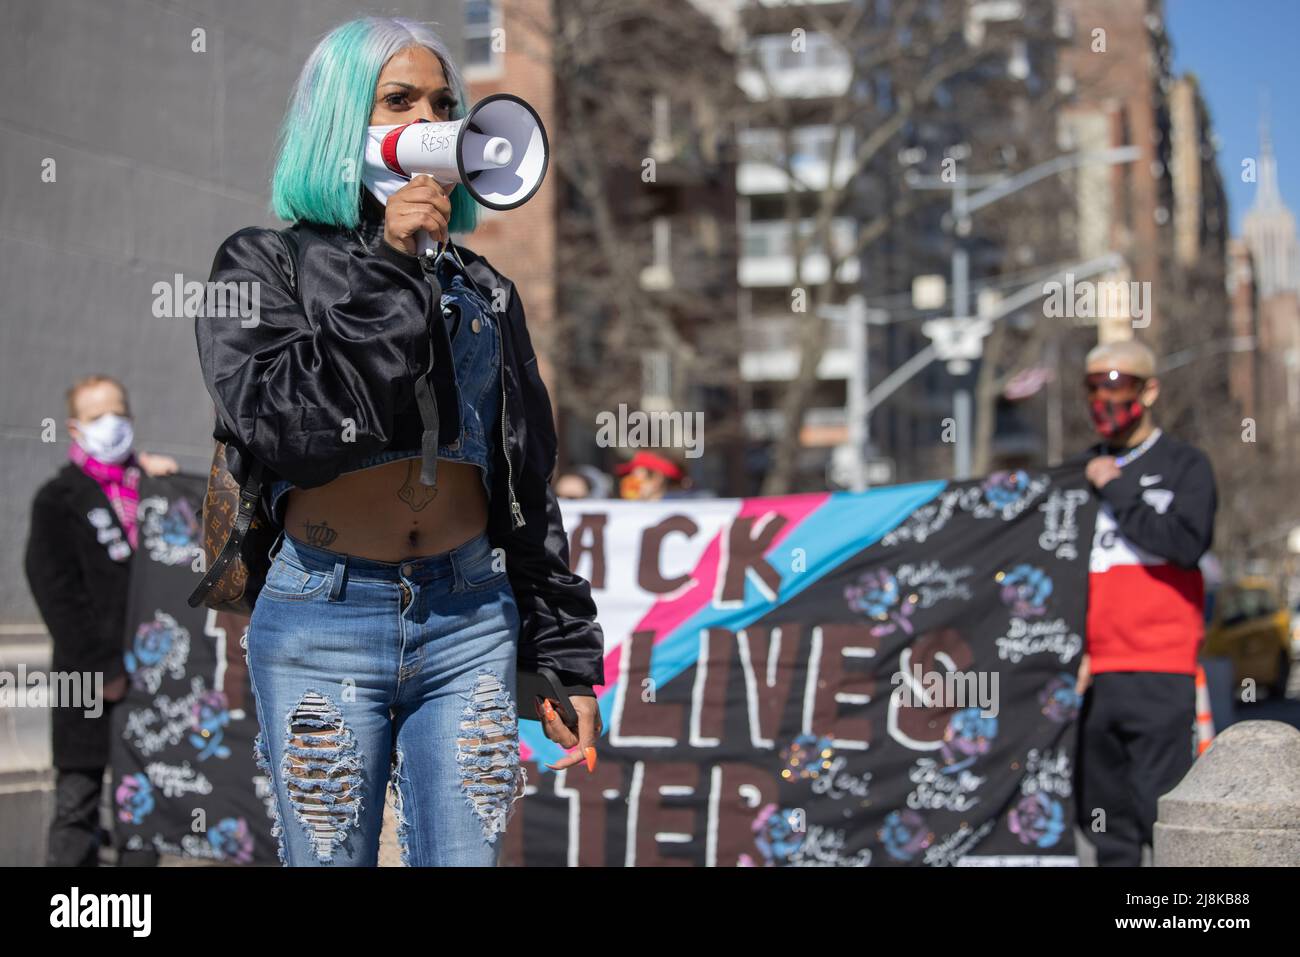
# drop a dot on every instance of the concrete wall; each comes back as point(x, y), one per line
point(161, 153)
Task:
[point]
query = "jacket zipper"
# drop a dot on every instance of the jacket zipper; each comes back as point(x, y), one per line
point(516, 513)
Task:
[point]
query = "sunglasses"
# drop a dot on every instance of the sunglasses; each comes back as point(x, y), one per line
point(1113, 380)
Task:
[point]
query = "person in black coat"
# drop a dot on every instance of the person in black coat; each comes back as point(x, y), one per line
point(77, 563)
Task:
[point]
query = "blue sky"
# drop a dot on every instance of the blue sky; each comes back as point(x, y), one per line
point(1240, 50)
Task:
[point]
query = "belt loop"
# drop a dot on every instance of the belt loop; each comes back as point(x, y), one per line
point(276, 546)
point(455, 570)
point(340, 578)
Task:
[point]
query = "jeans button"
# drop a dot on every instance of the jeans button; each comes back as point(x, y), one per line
point(476, 325)
point(407, 569)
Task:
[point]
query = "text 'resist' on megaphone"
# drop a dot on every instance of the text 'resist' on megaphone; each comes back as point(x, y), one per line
point(498, 152)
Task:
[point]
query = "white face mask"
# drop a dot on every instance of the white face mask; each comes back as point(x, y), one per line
point(107, 438)
point(379, 179)
point(382, 181)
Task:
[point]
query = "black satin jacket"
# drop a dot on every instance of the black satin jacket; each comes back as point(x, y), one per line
point(348, 339)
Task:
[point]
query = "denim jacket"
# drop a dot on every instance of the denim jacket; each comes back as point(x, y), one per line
point(345, 339)
point(471, 327)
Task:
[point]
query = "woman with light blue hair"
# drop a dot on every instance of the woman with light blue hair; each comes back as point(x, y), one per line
point(323, 137)
point(390, 406)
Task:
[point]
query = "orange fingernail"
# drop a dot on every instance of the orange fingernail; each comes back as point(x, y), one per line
point(547, 709)
point(591, 758)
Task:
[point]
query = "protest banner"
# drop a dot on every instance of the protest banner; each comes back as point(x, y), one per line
point(841, 679)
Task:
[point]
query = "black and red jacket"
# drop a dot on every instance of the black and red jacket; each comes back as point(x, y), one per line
point(1146, 596)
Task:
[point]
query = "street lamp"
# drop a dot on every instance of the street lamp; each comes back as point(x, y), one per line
point(960, 338)
point(984, 324)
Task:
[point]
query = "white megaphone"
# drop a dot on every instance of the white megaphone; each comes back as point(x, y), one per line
point(498, 152)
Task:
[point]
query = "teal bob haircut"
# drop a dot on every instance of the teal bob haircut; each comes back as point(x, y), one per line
point(322, 141)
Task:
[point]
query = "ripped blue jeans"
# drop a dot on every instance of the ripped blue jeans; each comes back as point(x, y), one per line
point(367, 673)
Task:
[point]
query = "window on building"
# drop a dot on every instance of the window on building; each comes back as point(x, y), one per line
point(481, 18)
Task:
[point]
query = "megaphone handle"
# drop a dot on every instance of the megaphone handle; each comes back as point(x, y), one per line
point(425, 242)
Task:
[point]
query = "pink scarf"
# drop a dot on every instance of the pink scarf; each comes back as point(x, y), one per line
point(120, 483)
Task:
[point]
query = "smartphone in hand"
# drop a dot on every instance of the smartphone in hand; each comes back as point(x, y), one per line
point(533, 686)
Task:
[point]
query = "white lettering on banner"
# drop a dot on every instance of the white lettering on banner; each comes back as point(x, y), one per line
point(617, 738)
point(832, 700)
point(1047, 772)
point(698, 738)
point(836, 783)
point(824, 847)
point(818, 845)
point(1060, 526)
point(707, 573)
point(753, 532)
point(752, 691)
point(952, 848)
point(936, 789)
point(935, 583)
point(1025, 638)
point(175, 781)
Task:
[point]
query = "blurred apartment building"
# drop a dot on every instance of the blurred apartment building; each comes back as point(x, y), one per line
point(601, 248)
point(1073, 76)
point(987, 117)
point(1264, 283)
point(810, 83)
point(1069, 76)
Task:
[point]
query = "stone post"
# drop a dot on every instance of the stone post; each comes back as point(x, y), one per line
point(1239, 805)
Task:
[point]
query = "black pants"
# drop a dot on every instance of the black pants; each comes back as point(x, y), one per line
point(1135, 744)
point(75, 833)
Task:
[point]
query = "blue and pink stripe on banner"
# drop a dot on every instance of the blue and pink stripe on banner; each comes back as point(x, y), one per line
point(821, 532)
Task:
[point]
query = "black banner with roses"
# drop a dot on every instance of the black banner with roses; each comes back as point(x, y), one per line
point(878, 678)
point(881, 678)
point(184, 778)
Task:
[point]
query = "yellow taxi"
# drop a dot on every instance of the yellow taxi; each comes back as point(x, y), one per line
point(1248, 622)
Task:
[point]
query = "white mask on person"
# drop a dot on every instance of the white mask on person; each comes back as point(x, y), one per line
point(384, 182)
point(379, 179)
point(108, 438)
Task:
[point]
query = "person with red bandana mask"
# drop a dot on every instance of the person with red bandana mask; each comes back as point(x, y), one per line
point(648, 477)
point(1145, 605)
